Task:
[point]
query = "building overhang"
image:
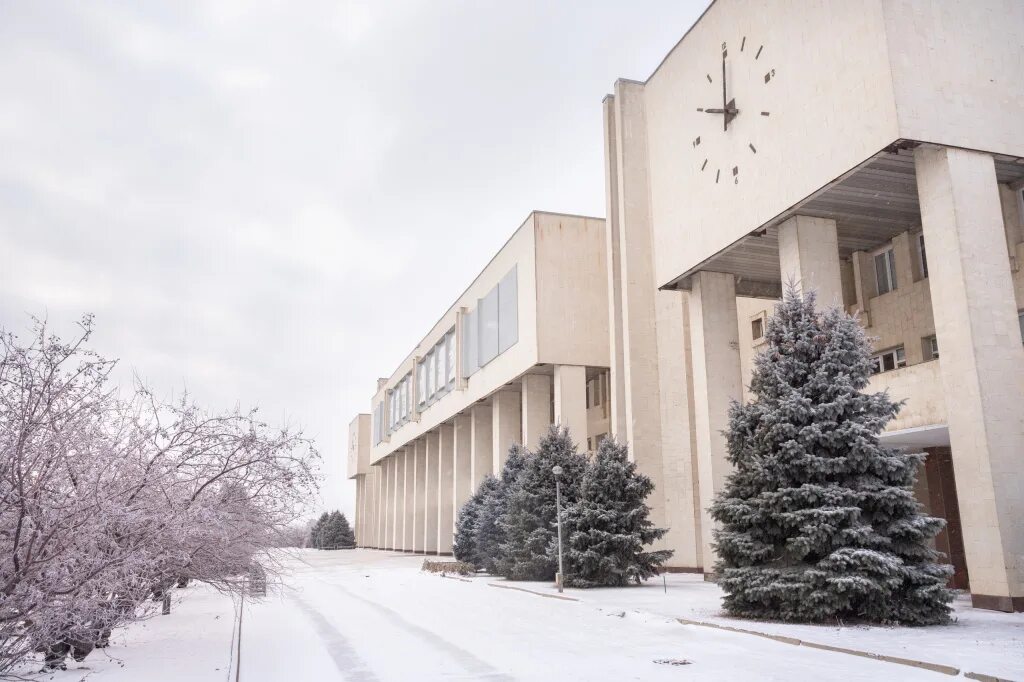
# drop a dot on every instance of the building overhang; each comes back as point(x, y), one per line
point(918, 437)
point(871, 203)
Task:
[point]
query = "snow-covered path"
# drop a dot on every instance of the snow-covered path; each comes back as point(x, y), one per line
point(367, 615)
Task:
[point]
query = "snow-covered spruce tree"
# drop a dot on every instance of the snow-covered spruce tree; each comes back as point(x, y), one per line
point(609, 524)
point(819, 520)
point(345, 533)
point(489, 532)
point(464, 546)
point(317, 531)
point(530, 545)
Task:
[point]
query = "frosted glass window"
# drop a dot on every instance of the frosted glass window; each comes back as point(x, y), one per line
point(439, 367)
point(421, 383)
point(470, 359)
point(508, 311)
point(450, 352)
point(487, 325)
point(430, 375)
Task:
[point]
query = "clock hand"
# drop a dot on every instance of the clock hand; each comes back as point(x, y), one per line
point(725, 104)
point(720, 111)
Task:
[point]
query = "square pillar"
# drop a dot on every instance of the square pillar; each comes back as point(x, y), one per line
point(536, 402)
point(463, 461)
point(417, 482)
point(445, 488)
point(430, 508)
point(398, 502)
point(982, 364)
point(386, 508)
point(717, 380)
point(809, 255)
point(571, 401)
point(481, 444)
point(506, 425)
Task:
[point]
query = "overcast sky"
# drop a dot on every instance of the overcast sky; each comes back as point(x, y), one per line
point(270, 203)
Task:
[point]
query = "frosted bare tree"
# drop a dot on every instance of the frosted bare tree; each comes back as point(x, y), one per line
point(107, 500)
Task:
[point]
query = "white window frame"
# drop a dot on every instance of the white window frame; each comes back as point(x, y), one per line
point(763, 318)
point(897, 356)
point(889, 257)
point(932, 349)
point(922, 256)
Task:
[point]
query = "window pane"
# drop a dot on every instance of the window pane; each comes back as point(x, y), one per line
point(881, 274)
point(450, 348)
point(487, 326)
point(888, 362)
point(901, 358)
point(469, 345)
point(924, 257)
point(890, 259)
point(421, 383)
point(1020, 321)
point(440, 358)
point(508, 311)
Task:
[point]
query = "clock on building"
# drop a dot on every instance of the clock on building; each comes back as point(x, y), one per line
point(721, 146)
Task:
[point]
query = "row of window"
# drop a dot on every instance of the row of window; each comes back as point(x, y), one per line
point(436, 371)
point(487, 331)
point(493, 326)
point(885, 266)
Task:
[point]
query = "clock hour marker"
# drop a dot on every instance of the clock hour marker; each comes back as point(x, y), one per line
point(770, 75)
point(742, 43)
point(708, 76)
point(703, 165)
point(718, 173)
point(764, 113)
point(752, 147)
point(700, 108)
point(697, 141)
point(735, 170)
point(758, 52)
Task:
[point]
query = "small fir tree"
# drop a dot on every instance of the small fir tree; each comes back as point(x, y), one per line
point(464, 545)
point(530, 546)
point(346, 534)
point(609, 525)
point(819, 520)
point(489, 531)
point(317, 531)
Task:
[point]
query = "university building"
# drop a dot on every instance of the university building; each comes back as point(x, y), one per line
point(870, 151)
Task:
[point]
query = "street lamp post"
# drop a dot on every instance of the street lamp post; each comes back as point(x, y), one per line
point(557, 471)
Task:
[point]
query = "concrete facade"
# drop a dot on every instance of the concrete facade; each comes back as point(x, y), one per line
point(475, 385)
point(843, 159)
point(858, 155)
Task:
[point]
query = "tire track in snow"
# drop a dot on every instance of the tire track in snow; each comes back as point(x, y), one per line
point(479, 668)
point(344, 656)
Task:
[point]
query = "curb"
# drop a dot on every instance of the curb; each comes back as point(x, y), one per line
point(539, 594)
point(934, 667)
point(950, 670)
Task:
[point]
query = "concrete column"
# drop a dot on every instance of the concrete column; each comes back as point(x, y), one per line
point(612, 186)
point(717, 380)
point(445, 488)
point(463, 456)
point(419, 482)
point(398, 502)
point(506, 425)
point(358, 520)
point(408, 501)
point(571, 401)
point(430, 481)
point(647, 369)
point(809, 254)
point(536, 401)
point(387, 487)
point(481, 444)
point(982, 364)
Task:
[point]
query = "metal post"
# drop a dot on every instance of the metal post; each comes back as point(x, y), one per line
point(558, 515)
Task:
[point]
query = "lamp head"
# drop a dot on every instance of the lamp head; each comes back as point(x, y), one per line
point(557, 471)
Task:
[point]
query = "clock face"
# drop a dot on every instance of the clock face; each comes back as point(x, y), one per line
point(735, 108)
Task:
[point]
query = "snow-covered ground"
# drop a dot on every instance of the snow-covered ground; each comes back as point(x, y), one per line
point(366, 615)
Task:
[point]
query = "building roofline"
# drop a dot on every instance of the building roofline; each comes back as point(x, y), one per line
point(679, 42)
point(530, 218)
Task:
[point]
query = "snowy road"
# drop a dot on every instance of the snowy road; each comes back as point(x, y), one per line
point(365, 615)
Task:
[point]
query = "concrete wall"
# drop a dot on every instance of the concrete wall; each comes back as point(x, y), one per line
point(830, 104)
point(956, 71)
